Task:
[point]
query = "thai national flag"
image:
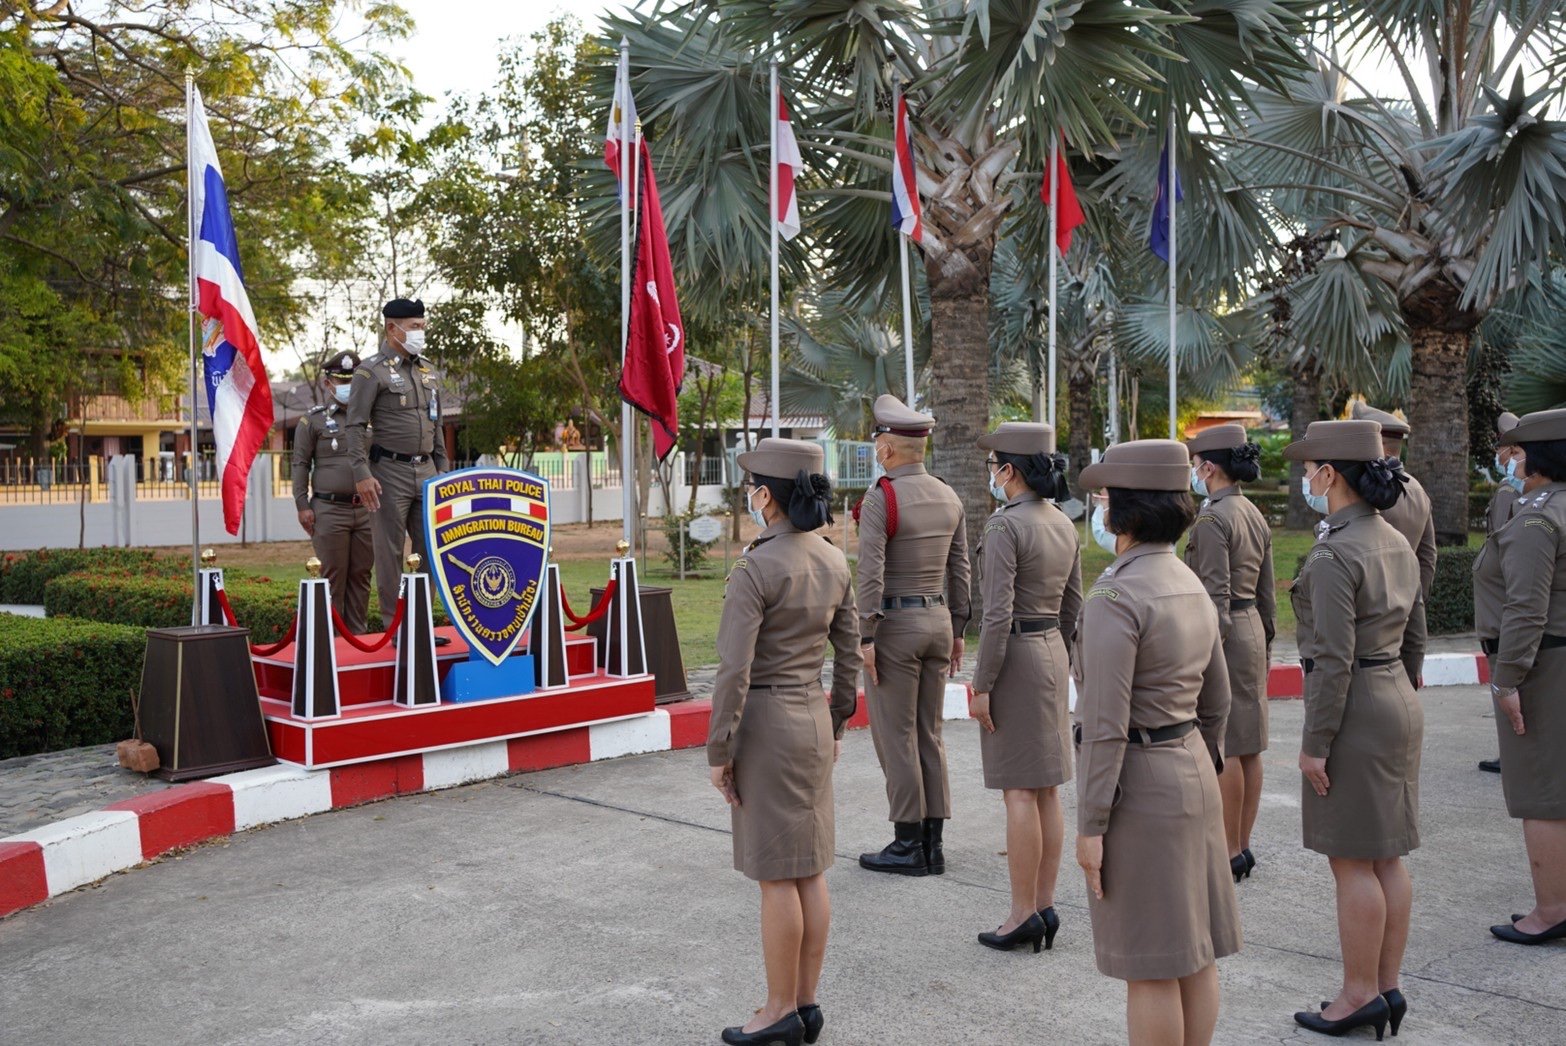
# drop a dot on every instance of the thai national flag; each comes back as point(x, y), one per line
point(789, 163)
point(238, 394)
point(907, 217)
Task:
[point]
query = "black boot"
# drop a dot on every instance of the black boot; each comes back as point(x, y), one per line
point(934, 856)
point(903, 856)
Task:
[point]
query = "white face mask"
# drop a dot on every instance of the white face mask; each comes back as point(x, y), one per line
point(997, 488)
point(1317, 502)
point(1101, 534)
point(413, 341)
point(755, 513)
point(1198, 484)
point(341, 392)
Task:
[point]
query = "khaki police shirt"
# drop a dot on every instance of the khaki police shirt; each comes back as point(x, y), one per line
point(1149, 655)
point(1031, 567)
point(788, 595)
point(399, 396)
point(1411, 517)
point(1230, 549)
point(1533, 561)
point(929, 555)
point(1357, 596)
point(1502, 504)
point(321, 456)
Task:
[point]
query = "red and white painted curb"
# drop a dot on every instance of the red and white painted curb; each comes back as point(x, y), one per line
point(56, 858)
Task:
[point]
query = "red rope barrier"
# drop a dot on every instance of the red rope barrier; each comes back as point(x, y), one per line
point(288, 637)
point(597, 612)
point(359, 644)
point(228, 610)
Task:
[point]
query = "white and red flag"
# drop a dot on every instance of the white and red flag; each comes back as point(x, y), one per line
point(789, 163)
point(238, 393)
point(655, 347)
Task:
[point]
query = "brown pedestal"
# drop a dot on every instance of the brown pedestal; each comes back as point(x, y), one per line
point(199, 706)
point(663, 642)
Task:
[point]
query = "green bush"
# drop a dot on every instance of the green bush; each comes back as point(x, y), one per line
point(695, 551)
point(1451, 605)
point(24, 574)
point(65, 682)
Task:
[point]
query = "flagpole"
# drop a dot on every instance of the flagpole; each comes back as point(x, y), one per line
point(628, 168)
point(1114, 400)
point(190, 333)
point(1172, 188)
point(1054, 252)
point(902, 254)
point(774, 405)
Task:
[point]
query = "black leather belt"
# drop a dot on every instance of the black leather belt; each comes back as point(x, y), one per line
point(336, 499)
point(378, 452)
point(903, 602)
point(1490, 647)
point(1035, 624)
point(1546, 642)
point(1160, 733)
point(1309, 663)
point(1241, 604)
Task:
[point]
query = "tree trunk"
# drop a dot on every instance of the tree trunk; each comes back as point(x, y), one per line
point(1080, 387)
point(1438, 415)
point(1305, 409)
point(960, 399)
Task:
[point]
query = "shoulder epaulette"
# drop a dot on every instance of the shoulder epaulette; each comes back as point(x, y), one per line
point(317, 408)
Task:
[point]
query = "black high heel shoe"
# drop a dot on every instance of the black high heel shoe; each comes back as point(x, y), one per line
point(1239, 868)
point(1250, 861)
point(1031, 931)
point(790, 1031)
point(1051, 926)
point(1398, 1007)
point(810, 1016)
point(1374, 1014)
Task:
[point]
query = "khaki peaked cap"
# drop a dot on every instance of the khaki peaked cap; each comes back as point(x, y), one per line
point(1020, 437)
point(1144, 464)
point(1219, 437)
point(778, 458)
point(1536, 427)
point(1391, 424)
point(896, 417)
point(1505, 423)
point(1338, 441)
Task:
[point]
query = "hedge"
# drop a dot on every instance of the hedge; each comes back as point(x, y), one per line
point(24, 574)
point(1451, 606)
point(65, 682)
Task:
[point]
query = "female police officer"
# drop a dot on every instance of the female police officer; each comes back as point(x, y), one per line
point(1155, 697)
point(1032, 585)
point(771, 743)
point(1357, 601)
point(1230, 549)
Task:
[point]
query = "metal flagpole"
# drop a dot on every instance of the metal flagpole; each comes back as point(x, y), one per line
point(1173, 190)
point(902, 254)
point(190, 326)
point(773, 404)
point(1054, 251)
point(628, 149)
point(1114, 400)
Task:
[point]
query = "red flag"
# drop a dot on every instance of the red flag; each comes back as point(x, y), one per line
point(1070, 214)
point(655, 351)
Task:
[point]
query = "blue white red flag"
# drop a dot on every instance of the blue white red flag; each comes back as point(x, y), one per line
point(907, 216)
point(238, 393)
point(1158, 234)
point(622, 114)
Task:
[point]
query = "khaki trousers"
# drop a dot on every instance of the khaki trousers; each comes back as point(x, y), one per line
point(344, 542)
point(399, 520)
point(913, 649)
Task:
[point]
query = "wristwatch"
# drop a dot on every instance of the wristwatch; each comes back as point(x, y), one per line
point(1497, 691)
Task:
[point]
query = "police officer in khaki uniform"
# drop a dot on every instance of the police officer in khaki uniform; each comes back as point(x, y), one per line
point(1230, 549)
point(1154, 704)
point(913, 580)
point(1529, 682)
point(1360, 613)
point(330, 509)
point(1487, 611)
point(1031, 577)
point(772, 737)
point(395, 439)
point(1411, 516)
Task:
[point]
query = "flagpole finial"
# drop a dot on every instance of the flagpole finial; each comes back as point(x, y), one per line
point(625, 43)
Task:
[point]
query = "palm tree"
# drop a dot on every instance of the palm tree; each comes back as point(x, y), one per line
point(1439, 203)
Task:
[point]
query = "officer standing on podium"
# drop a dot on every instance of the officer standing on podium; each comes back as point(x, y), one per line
point(330, 510)
point(913, 590)
point(396, 397)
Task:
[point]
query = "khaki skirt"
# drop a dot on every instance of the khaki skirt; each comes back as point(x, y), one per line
point(1168, 909)
point(1245, 651)
point(1533, 766)
point(1031, 745)
point(1371, 809)
point(783, 827)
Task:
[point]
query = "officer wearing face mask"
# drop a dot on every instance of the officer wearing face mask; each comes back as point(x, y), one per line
point(395, 440)
point(1509, 460)
point(1508, 463)
point(330, 510)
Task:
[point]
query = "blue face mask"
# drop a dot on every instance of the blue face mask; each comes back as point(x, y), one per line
point(341, 392)
point(1198, 484)
point(1317, 502)
point(997, 489)
point(755, 513)
point(1101, 534)
point(1512, 479)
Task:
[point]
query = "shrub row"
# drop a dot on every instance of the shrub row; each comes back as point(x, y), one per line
point(65, 682)
point(24, 574)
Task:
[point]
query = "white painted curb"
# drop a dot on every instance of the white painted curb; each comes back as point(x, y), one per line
point(84, 849)
point(277, 793)
point(649, 733)
point(450, 767)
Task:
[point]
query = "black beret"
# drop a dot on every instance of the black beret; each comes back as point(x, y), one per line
point(403, 309)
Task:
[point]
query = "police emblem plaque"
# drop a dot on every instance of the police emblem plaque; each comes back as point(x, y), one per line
point(487, 530)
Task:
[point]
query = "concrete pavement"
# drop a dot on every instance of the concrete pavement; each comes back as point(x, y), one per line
point(595, 904)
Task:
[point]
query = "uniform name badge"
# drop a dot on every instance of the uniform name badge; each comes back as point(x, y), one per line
point(434, 406)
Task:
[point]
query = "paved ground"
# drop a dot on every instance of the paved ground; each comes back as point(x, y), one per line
point(595, 904)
